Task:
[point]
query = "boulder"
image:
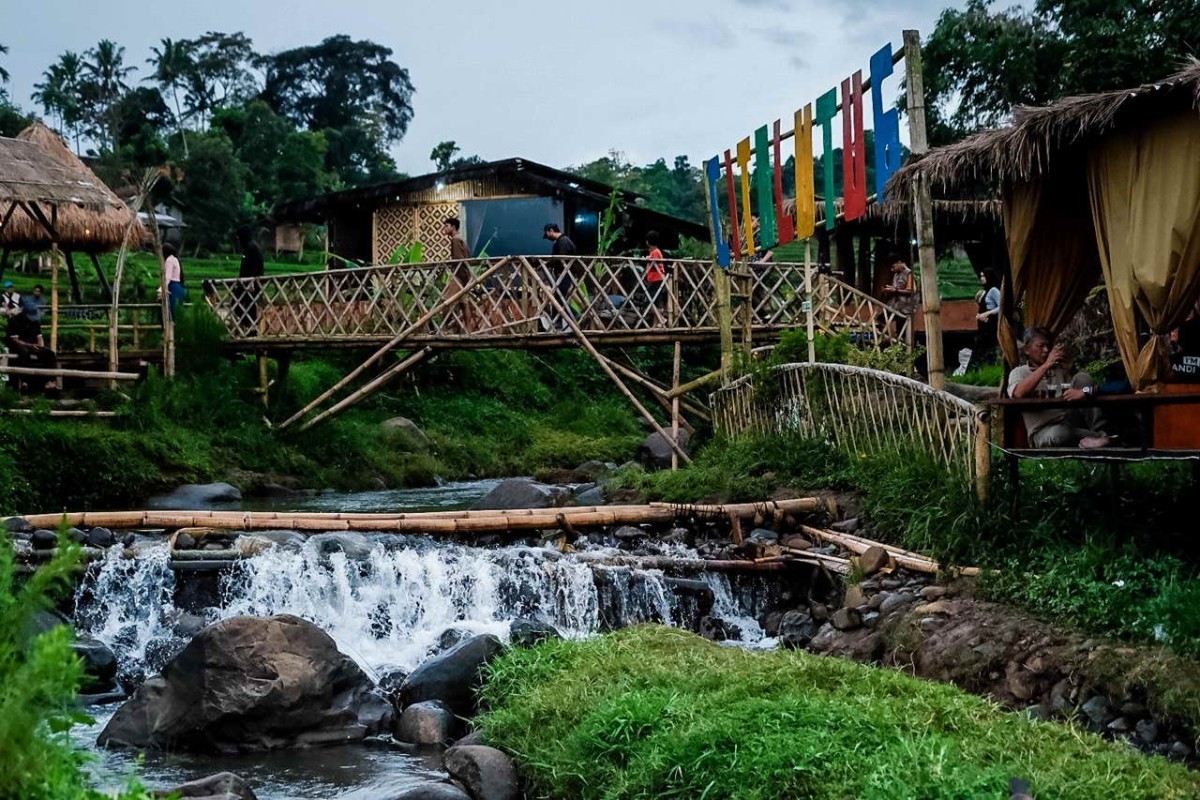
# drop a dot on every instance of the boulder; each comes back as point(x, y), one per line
point(428, 722)
point(474, 737)
point(43, 539)
point(99, 663)
point(450, 638)
point(251, 684)
point(17, 525)
point(513, 493)
point(185, 541)
point(356, 546)
point(655, 452)
point(223, 784)
point(454, 677)
point(487, 773)
point(716, 629)
point(873, 559)
point(846, 619)
point(197, 495)
point(593, 496)
point(101, 537)
point(592, 471)
point(78, 536)
point(796, 628)
point(527, 632)
point(409, 429)
point(432, 791)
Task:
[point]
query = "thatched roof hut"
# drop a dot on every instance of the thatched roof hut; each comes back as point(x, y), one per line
point(38, 168)
point(1097, 187)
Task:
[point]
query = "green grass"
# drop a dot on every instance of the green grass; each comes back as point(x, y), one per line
point(658, 713)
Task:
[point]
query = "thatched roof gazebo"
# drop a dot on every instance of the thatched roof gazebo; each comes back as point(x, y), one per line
point(48, 197)
point(1096, 187)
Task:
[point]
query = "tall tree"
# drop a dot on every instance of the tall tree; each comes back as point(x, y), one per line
point(173, 65)
point(105, 74)
point(61, 93)
point(981, 62)
point(339, 83)
point(219, 73)
point(442, 154)
point(212, 191)
point(3, 71)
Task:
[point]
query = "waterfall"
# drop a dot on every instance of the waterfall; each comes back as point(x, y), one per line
point(387, 602)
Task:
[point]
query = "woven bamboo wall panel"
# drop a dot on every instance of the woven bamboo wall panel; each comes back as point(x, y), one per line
point(402, 225)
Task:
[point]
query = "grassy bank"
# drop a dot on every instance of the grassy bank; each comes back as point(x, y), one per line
point(655, 712)
point(485, 413)
point(1068, 551)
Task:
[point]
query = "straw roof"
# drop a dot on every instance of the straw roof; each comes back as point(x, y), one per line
point(38, 167)
point(1024, 150)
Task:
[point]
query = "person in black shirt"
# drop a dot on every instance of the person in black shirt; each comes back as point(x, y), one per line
point(562, 247)
point(25, 340)
point(247, 294)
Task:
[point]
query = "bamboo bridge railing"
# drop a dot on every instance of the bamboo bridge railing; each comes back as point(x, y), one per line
point(864, 412)
point(608, 299)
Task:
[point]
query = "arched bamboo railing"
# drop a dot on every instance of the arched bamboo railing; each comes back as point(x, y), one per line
point(861, 411)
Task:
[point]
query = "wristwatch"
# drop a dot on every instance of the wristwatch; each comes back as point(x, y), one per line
point(1087, 390)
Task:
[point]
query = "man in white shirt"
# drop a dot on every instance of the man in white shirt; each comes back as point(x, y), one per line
point(1045, 375)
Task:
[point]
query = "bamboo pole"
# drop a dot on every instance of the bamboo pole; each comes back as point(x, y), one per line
point(983, 457)
point(691, 386)
point(583, 340)
point(656, 391)
point(164, 300)
point(810, 323)
point(931, 299)
point(70, 373)
point(60, 412)
point(724, 301)
point(661, 392)
point(371, 387)
point(149, 180)
point(675, 367)
point(424, 319)
point(516, 519)
point(54, 257)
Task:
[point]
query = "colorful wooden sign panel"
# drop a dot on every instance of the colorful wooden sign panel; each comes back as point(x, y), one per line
point(775, 224)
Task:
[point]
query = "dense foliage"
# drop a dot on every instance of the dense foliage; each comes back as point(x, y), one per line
point(39, 678)
point(656, 712)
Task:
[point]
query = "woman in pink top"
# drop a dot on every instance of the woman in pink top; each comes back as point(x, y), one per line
point(173, 272)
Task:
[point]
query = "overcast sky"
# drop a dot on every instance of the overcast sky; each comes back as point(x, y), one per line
point(559, 83)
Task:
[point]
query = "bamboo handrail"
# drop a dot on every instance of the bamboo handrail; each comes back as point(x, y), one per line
point(70, 373)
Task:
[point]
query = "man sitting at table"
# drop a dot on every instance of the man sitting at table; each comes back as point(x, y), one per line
point(1045, 375)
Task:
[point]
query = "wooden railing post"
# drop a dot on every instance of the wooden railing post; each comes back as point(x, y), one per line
point(983, 455)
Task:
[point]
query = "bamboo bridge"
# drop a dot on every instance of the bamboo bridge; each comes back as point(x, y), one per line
point(525, 302)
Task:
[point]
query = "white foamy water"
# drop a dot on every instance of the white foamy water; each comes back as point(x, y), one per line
point(386, 601)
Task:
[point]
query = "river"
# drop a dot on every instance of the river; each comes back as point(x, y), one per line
point(387, 601)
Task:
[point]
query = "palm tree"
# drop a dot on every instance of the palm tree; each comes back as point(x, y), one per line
point(106, 73)
point(173, 64)
point(3, 71)
point(61, 93)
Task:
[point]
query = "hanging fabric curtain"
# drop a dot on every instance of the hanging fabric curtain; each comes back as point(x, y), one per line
point(1052, 257)
point(1145, 197)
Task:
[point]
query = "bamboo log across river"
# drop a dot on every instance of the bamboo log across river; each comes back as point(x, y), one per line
point(448, 522)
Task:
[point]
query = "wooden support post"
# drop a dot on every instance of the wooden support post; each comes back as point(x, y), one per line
point(168, 340)
point(105, 286)
point(149, 179)
point(559, 306)
point(264, 382)
point(73, 278)
point(810, 326)
point(54, 259)
point(424, 319)
point(724, 301)
point(983, 457)
point(923, 212)
point(659, 393)
point(371, 387)
point(675, 368)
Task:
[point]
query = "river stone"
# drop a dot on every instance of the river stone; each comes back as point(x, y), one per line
point(846, 619)
point(76, 535)
point(409, 429)
point(43, 539)
point(196, 495)
point(593, 496)
point(474, 737)
point(1098, 711)
point(655, 452)
point(223, 784)
point(512, 493)
point(356, 546)
point(99, 663)
point(251, 684)
point(428, 722)
point(185, 541)
point(796, 629)
point(1147, 731)
point(101, 537)
point(487, 773)
point(17, 525)
point(526, 632)
point(592, 471)
point(873, 559)
point(454, 677)
point(451, 637)
point(894, 601)
point(432, 791)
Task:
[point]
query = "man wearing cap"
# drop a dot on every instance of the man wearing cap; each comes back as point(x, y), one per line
point(10, 301)
point(561, 247)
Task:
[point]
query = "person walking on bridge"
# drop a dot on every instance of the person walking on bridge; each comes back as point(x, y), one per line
point(561, 251)
point(246, 294)
point(460, 275)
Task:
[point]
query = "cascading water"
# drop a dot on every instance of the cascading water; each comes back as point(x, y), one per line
point(387, 602)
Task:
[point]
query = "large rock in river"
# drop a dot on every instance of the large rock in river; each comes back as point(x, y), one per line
point(196, 495)
point(522, 493)
point(246, 684)
point(455, 677)
point(655, 452)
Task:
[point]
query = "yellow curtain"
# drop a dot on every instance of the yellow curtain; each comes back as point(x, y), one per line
point(1052, 256)
point(1145, 196)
